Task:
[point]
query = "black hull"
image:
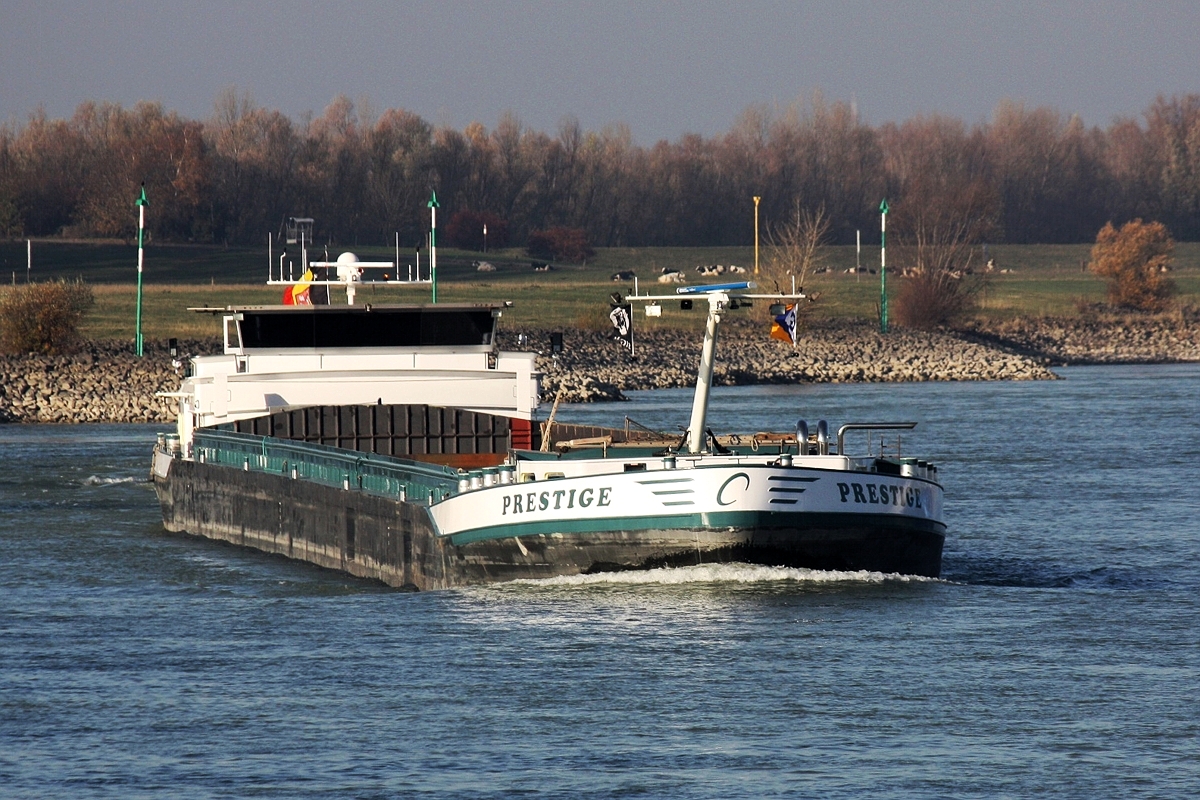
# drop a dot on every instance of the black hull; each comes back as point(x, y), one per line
point(851, 548)
point(394, 542)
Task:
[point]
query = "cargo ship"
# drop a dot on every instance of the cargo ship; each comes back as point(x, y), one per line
point(400, 443)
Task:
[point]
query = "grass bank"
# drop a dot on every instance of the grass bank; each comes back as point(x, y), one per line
point(1043, 280)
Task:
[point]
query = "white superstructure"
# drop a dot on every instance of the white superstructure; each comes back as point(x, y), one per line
point(264, 371)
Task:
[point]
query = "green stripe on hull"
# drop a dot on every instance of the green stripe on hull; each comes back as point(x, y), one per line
point(718, 520)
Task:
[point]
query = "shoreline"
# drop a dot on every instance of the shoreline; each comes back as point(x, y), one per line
point(106, 382)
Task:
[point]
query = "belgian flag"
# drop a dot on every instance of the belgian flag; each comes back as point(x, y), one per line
point(298, 295)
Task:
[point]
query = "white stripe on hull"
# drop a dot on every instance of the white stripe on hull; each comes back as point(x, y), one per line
point(624, 497)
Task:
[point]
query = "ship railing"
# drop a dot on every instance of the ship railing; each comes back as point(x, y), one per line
point(332, 466)
point(871, 426)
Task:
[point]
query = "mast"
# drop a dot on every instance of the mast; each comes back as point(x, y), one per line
point(720, 296)
point(716, 302)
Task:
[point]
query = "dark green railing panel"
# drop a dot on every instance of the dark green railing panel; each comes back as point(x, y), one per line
point(332, 466)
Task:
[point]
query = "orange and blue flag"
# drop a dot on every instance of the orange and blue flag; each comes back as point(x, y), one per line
point(783, 327)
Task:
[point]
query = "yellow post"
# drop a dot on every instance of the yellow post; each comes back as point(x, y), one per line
point(756, 199)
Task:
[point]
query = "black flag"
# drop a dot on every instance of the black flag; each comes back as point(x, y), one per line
point(622, 320)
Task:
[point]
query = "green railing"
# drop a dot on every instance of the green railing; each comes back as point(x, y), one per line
point(332, 466)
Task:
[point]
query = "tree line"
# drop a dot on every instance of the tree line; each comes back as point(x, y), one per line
point(1023, 176)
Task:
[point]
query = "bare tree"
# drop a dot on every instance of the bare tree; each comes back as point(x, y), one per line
point(945, 208)
point(1173, 129)
point(146, 144)
point(937, 248)
point(795, 246)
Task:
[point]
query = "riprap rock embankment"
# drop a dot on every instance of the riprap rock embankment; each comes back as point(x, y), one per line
point(593, 367)
point(103, 382)
point(1099, 337)
point(107, 382)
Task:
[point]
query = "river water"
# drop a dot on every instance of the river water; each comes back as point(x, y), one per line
point(1059, 655)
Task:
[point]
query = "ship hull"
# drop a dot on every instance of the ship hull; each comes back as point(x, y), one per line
point(828, 544)
point(473, 538)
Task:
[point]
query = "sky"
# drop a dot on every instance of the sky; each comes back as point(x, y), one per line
point(664, 69)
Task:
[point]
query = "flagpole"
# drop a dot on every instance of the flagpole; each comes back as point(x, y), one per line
point(141, 203)
point(756, 199)
point(883, 309)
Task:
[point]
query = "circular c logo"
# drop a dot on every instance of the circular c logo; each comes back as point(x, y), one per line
point(721, 501)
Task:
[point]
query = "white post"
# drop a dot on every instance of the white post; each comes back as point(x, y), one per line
point(433, 250)
point(433, 207)
point(28, 259)
point(857, 254)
